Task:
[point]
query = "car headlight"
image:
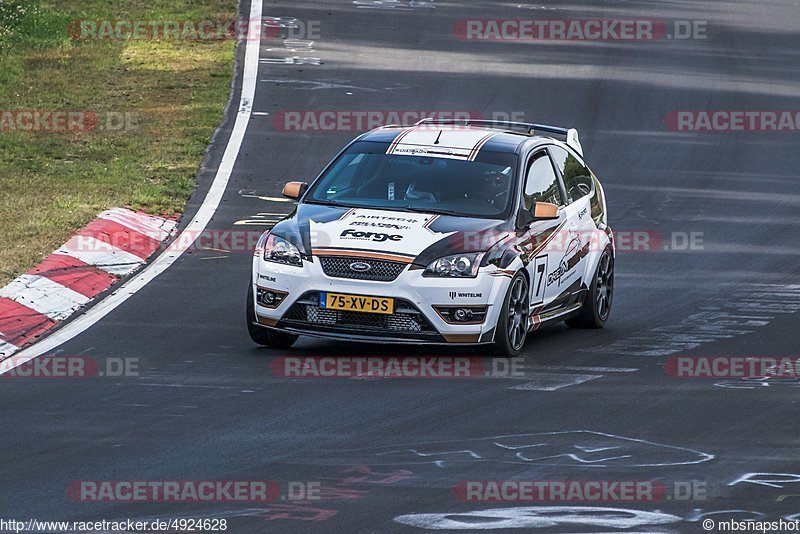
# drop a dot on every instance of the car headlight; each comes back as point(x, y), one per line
point(280, 250)
point(463, 265)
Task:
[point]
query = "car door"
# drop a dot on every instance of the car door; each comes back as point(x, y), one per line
point(541, 240)
point(578, 188)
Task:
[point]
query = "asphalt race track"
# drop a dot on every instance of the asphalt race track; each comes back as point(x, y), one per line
point(592, 405)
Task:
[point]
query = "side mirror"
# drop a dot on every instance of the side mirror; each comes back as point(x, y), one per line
point(294, 190)
point(540, 211)
point(544, 211)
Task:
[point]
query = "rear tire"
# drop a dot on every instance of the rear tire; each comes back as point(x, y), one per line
point(512, 325)
point(264, 336)
point(597, 304)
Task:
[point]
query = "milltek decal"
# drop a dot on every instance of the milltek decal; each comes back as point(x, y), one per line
point(374, 236)
point(388, 226)
point(267, 278)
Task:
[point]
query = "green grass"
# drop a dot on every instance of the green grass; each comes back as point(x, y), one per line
point(51, 184)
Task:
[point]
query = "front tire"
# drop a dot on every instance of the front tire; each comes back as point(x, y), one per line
point(264, 336)
point(512, 325)
point(597, 305)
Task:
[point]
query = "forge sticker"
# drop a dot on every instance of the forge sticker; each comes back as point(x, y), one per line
point(375, 231)
point(370, 236)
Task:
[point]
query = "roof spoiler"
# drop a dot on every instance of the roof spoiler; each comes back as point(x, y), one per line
point(527, 128)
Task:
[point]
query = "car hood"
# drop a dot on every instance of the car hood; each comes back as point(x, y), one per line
point(393, 235)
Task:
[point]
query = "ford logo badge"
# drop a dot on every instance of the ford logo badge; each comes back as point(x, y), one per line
point(360, 266)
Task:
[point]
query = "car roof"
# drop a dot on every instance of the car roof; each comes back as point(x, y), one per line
point(463, 138)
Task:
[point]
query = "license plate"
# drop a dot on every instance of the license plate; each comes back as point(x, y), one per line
point(356, 303)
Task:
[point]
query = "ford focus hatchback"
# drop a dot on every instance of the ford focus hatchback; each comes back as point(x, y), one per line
point(447, 232)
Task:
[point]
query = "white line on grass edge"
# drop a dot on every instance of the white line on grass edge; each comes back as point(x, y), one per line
point(201, 219)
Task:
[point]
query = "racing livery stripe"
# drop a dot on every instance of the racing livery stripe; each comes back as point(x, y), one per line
point(504, 272)
point(461, 338)
point(442, 142)
point(347, 214)
point(549, 238)
point(397, 140)
point(349, 252)
point(267, 321)
point(477, 148)
point(430, 221)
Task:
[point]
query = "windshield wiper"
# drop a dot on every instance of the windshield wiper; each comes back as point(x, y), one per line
point(432, 210)
point(330, 203)
point(414, 209)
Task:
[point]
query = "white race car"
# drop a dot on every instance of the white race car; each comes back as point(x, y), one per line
point(450, 232)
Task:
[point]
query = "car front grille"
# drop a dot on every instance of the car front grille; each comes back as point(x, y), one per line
point(406, 318)
point(380, 271)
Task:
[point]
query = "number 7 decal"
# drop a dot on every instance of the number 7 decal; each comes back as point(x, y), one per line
point(539, 274)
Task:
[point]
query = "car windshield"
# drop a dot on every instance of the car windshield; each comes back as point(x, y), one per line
point(365, 176)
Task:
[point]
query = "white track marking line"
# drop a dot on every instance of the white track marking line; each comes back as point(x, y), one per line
point(44, 296)
point(100, 254)
point(201, 220)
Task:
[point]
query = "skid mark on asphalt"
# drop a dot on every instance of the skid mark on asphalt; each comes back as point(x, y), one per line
point(759, 383)
point(331, 83)
point(553, 382)
point(716, 321)
point(589, 369)
point(252, 193)
point(262, 218)
point(290, 52)
point(402, 5)
point(267, 219)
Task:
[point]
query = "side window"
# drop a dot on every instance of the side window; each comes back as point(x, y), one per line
point(577, 177)
point(541, 184)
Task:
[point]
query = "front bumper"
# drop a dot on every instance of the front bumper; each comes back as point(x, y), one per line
point(415, 320)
